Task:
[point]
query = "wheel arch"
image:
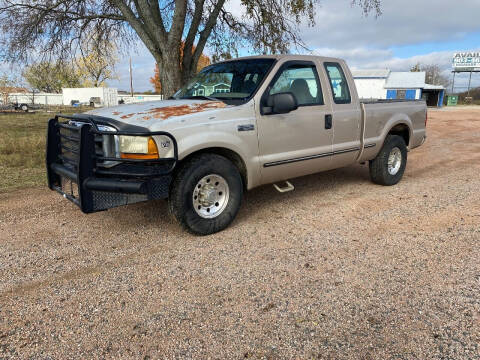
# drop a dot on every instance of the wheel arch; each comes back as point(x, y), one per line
point(403, 130)
point(231, 155)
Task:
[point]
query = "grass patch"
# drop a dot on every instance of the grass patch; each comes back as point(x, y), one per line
point(22, 148)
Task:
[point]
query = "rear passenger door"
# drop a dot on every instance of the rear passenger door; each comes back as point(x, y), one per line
point(296, 143)
point(346, 114)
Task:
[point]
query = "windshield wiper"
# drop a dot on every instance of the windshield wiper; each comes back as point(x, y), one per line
point(201, 97)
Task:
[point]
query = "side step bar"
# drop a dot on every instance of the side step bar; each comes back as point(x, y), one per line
point(284, 189)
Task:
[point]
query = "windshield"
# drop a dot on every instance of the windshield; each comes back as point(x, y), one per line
point(232, 80)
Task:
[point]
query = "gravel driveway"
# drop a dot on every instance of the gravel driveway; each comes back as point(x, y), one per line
point(340, 268)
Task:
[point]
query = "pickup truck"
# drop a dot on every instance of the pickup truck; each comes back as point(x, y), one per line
point(237, 125)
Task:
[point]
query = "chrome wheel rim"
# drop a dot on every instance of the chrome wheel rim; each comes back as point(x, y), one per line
point(394, 161)
point(210, 196)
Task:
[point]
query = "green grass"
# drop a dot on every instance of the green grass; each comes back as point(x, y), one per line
point(22, 148)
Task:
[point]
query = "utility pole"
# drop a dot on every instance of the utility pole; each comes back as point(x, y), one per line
point(453, 82)
point(131, 78)
point(469, 84)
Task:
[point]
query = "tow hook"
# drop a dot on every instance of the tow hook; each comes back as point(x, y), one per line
point(288, 187)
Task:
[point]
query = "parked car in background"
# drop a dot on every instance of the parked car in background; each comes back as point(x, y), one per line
point(17, 107)
point(237, 125)
point(95, 102)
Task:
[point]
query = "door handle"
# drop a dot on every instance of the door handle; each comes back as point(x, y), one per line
point(328, 121)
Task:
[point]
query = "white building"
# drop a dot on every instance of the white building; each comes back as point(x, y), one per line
point(104, 96)
point(371, 83)
point(386, 84)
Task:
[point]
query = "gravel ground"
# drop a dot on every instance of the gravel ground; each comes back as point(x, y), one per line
point(339, 268)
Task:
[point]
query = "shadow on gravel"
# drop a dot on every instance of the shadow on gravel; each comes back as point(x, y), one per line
point(307, 186)
point(156, 214)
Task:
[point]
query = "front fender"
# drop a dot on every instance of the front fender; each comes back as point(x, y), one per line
point(245, 146)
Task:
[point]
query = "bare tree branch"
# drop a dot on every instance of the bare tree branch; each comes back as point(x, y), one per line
point(56, 28)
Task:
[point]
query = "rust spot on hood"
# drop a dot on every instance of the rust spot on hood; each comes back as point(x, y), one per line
point(116, 113)
point(127, 116)
point(179, 110)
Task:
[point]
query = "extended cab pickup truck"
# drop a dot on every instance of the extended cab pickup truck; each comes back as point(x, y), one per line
point(237, 125)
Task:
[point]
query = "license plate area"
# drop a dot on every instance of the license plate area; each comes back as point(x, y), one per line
point(69, 187)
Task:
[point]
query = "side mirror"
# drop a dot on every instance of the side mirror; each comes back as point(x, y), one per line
point(281, 103)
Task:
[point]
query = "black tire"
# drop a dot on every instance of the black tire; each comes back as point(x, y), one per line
point(183, 185)
point(24, 107)
point(379, 172)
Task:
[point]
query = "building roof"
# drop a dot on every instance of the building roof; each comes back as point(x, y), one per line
point(406, 80)
point(433, 87)
point(372, 73)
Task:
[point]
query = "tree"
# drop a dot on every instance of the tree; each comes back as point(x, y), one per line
point(433, 74)
point(52, 77)
point(97, 60)
point(157, 83)
point(57, 27)
point(8, 85)
point(416, 68)
point(94, 69)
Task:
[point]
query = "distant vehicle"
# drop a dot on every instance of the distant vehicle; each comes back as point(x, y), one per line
point(237, 125)
point(95, 102)
point(17, 107)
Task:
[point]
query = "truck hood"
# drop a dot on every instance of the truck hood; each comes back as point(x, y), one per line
point(152, 114)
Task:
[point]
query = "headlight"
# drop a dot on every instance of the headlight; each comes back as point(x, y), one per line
point(138, 147)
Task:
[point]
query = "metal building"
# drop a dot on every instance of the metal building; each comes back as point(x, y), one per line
point(405, 85)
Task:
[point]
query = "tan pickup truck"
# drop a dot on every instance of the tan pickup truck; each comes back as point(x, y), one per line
point(237, 125)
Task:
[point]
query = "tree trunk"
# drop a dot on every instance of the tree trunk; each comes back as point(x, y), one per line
point(170, 74)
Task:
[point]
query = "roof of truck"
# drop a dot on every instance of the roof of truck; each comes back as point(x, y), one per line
point(288, 56)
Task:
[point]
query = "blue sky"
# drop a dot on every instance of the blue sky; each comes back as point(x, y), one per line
point(408, 31)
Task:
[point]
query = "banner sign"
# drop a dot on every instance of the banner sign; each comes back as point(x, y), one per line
point(466, 61)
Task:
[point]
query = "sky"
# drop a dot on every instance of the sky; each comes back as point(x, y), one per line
point(407, 32)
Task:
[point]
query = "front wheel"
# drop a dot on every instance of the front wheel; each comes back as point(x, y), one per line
point(389, 165)
point(206, 194)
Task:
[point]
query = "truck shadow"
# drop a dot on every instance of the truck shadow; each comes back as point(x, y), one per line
point(155, 213)
point(316, 185)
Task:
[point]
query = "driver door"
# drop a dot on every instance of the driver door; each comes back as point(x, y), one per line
point(299, 142)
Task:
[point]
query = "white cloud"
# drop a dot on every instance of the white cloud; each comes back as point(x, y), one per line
point(364, 58)
point(406, 22)
point(365, 42)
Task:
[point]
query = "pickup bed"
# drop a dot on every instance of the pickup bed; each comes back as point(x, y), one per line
point(237, 125)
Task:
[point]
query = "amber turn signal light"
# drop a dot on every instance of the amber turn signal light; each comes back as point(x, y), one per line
point(152, 152)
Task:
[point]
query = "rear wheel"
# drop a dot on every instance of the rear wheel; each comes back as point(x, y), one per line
point(389, 165)
point(206, 194)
